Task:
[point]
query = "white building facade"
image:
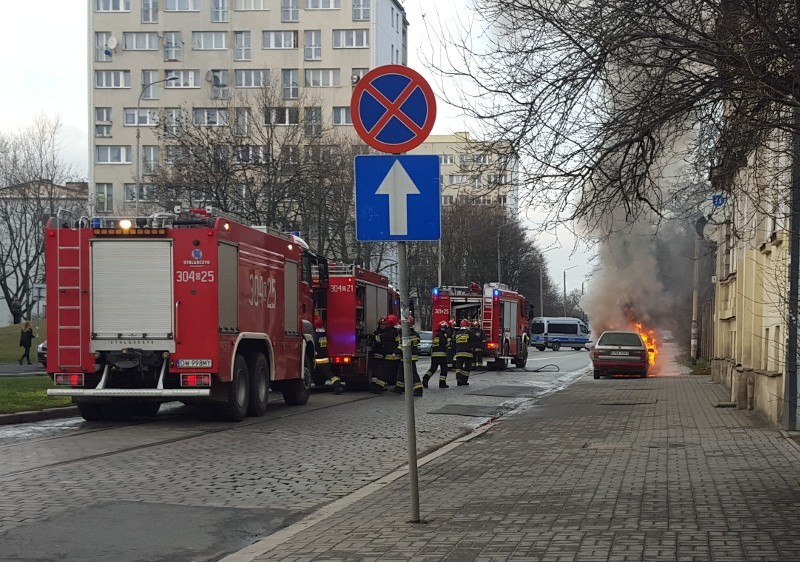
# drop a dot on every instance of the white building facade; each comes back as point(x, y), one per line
point(150, 60)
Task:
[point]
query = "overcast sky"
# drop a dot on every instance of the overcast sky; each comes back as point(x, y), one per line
point(45, 71)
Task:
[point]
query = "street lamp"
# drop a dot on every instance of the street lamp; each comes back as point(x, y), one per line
point(565, 286)
point(138, 135)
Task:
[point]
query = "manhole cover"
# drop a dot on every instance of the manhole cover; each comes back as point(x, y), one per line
point(507, 391)
point(470, 410)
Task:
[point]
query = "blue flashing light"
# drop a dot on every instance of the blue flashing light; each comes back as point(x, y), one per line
point(436, 292)
point(497, 292)
point(97, 222)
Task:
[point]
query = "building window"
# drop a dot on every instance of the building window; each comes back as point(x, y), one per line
point(103, 197)
point(313, 121)
point(241, 45)
point(458, 179)
point(150, 77)
point(112, 79)
point(445, 159)
point(140, 41)
point(219, 85)
point(208, 40)
point(220, 10)
point(361, 10)
point(151, 159)
point(357, 74)
point(209, 116)
point(350, 38)
point(290, 83)
point(323, 4)
point(323, 77)
point(496, 179)
point(242, 123)
point(175, 155)
point(173, 46)
point(279, 39)
point(250, 5)
point(102, 131)
point(102, 52)
point(313, 46)
point(147, 192)
point(146, 117)
point(252, 153)
point(341, 116)
point(112, 154)
point(112, 5)
point(181, 5)
point(447, 199)
point(102, 119)
point(251, 78)
point(149, 11)
point(282, 116)
point(290, 10)
point(186, 79)
point(172, 119)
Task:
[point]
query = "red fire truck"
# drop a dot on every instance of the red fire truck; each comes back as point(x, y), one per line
point(502, 313)
point(190, 306)
point(354, 301)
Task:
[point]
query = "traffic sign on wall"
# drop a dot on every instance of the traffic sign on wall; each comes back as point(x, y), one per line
point(393, 108)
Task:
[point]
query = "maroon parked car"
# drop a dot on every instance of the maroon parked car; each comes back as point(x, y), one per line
point(619, 352)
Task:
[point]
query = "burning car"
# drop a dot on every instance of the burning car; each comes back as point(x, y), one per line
point(621, 351)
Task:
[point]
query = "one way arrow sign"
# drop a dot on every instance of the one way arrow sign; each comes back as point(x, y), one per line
point(397, 198)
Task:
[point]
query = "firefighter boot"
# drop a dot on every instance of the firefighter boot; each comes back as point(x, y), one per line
point(400, 388)
point(463, 380)
point(425, 378)
point(443, 382)
point(417, 390)
point(377, 386)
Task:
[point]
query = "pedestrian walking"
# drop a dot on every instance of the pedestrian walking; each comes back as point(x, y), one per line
point(25, 340)
point(16, 310)
point(400, 387)
point(464, 345)
point(440, 345)
point(322, 366)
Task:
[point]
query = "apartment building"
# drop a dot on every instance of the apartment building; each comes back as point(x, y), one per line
point(474, 172)
point(152, 60)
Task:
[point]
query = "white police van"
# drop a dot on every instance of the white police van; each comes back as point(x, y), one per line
point(558, 332)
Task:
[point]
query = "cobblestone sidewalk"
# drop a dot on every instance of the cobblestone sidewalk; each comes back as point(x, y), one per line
point(613, 469)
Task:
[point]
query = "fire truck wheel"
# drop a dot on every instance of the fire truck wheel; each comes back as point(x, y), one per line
point(90, 411)
point(556, 345)
point(235, 408)
point(541, 347)
point(499, 364)
point(144, 409)
point(259, 384)
point(296, 392)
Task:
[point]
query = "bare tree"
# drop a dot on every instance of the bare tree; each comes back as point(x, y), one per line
point(605, 100)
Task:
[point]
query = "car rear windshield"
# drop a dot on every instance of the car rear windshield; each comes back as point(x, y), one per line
point(620, 338)
point(426, 335)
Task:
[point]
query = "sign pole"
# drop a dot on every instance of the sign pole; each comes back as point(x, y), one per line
point(408, 377)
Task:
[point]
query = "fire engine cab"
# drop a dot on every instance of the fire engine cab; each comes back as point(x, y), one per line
point(501, 312)
point(191, 306)
point(355, 300)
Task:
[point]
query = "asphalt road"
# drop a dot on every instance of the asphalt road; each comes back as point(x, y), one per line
point(178, 487)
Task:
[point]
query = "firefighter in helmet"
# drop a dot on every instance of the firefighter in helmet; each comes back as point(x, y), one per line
point(388, 338)
point(480, 342)
point(464, 344)
point(400, 387)
point(322, 365)
point(376, 358)
point(451, 351)
point(440, 345)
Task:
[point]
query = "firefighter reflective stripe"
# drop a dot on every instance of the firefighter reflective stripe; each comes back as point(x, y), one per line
point(439, 354)
point(335, 379)
point(393, 358)
point(464, 354)
point(379, 382)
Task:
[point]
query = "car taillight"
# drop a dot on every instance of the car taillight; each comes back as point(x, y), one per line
point(643, 355)
point(595, 354)
point(68, 379)
point(196, 379)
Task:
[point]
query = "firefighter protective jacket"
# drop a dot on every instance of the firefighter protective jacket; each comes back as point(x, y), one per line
point(321, 345)
point(414, 343)
point(440, 344)
point(464, 340)
point(388, 340)
point(480, 338)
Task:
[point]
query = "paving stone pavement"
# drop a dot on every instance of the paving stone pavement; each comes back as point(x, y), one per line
point(613, 469)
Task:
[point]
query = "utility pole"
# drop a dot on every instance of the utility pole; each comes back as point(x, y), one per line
point(790, 378)
point(699, 225)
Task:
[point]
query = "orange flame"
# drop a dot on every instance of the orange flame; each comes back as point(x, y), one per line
point(648, 336)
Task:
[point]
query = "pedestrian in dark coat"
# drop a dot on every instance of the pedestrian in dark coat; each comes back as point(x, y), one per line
point(25, 340)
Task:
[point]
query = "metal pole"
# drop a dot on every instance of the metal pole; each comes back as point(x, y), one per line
point(790, 379)
point(565, 292)
point(408, 377)
point(541, 293)
point(439, 276)
point(498, 253)
point(695, 298)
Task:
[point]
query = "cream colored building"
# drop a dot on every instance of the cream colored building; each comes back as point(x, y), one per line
point(752, 285)
point(149, 59)
point(474, 172)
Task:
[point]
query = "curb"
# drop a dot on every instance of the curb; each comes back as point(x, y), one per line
point(48, 414)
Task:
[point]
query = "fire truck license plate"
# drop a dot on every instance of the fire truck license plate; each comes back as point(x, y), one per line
point(194, 362)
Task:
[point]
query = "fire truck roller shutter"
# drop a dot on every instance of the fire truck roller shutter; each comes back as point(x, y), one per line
point(228, 286)
point(375, 306)
point(291, 315)
point(132, 288)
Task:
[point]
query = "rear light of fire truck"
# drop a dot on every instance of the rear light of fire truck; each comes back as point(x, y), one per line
point(342, 359)
point(491, 345)
point(196, 379)
point(68, 379)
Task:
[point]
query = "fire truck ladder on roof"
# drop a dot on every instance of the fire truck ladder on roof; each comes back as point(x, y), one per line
point(341, 269)
point(68, 346)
